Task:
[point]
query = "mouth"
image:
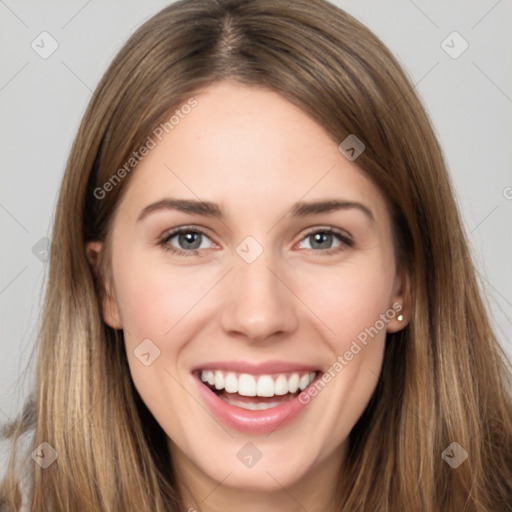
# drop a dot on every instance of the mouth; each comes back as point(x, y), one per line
point(256, 392)
point(254, 402)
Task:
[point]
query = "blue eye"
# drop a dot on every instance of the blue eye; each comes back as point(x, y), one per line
point(323, 239)
point(190, 241)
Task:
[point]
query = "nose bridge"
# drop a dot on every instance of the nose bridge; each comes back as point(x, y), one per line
point(259, 304)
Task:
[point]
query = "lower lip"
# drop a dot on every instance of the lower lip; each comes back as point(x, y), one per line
point(254, 422)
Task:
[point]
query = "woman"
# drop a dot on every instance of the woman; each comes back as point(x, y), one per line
point(261, 295)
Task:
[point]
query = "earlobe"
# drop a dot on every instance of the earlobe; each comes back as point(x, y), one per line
point(93, 253)
point(401, 304)
point(111, 317)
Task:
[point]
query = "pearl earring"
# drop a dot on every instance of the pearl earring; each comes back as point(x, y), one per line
point(400, 318)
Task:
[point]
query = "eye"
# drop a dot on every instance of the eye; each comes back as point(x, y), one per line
point(323, 239)
point(188, 240)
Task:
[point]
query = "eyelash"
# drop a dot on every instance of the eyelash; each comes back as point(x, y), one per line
point(345, 241)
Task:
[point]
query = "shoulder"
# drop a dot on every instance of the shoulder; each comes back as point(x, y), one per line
point(22, 460)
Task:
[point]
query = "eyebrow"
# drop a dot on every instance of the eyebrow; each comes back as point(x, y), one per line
point(209, 209)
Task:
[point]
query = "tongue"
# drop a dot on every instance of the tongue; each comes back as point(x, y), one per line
point(257, 399)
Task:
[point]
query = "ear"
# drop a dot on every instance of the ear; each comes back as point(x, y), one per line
point(94, 253)
point(401, 303)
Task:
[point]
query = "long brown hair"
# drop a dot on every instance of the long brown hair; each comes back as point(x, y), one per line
point(445, 378)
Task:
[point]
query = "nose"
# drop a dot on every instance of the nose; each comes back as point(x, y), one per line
point(259, 304)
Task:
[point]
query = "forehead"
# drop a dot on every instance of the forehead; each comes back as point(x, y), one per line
point(248, 148)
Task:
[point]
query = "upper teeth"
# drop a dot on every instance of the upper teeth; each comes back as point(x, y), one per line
point(262, 385)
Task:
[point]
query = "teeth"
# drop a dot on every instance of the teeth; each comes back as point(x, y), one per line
point(293, 383)
point(251, 385)
point(251, 406)
point(265, 386)
point(231, 383)
point(246, 385)
point(281, 385)
point(219, 380)
point(304, 382)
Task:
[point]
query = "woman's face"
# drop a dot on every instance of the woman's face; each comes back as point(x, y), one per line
point(256, 294)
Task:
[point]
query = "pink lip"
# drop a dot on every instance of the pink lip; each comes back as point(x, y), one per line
point(256, 368)
point(253, 422)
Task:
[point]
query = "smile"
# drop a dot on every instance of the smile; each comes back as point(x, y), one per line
point(254, 401)
point(246, 384)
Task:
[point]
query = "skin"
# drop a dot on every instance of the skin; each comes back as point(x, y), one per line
point(255, 154)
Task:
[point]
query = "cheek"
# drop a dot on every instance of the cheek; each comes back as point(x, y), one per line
point(154, 297)
point(352, 302)
point(156, 303)
point(351, 298)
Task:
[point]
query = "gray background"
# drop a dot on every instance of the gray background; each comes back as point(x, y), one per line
point(469, 99)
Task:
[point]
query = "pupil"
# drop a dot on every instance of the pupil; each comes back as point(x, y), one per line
point(317, 240)
point(190, 239)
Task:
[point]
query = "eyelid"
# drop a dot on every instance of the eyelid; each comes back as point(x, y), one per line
point(329, 229)
point(170, 233)
point(346, 240)
point(163, 240)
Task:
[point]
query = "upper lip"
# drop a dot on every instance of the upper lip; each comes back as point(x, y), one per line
point(252, 368)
